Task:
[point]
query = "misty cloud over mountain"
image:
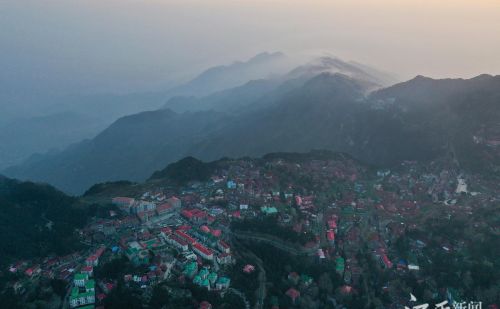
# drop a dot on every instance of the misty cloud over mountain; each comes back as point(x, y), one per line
point(38, 123)
point(325, 103)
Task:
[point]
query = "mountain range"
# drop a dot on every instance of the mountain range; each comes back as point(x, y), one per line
point(40, 123)
point(324, 104)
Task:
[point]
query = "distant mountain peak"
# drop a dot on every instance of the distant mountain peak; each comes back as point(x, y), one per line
point(327, 78)
point(266, 56)
point(414, 120)
point(372, 78)
point(227, 76)
point(482, 77)
point(420, 77)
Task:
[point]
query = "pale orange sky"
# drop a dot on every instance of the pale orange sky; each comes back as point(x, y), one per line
point(129, 45)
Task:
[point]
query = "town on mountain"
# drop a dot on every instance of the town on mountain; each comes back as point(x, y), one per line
point(320, 230)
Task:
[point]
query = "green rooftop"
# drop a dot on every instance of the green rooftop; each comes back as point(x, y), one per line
point(269, 210)
point(212, 277)
point(197, 279)
point(191, 266)
point(203, 272)
point(87, 294)
point(81, 276)
point(274, 301)
point(347, 211)
point(205, 282)
point(305, 278)
point(224, 280)
point(340, 264)
point(131, 251)
point(75, 291)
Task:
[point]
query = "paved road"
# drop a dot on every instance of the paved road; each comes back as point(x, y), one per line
point(261, 290)
point(241, 295)
point(275, 242)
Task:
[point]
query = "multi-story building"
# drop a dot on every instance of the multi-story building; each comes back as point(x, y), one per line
point(124, 203)
point(203, 251)
point(83, 292)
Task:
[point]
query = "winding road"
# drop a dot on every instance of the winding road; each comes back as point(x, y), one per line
point(261, 290)
point(275, 242)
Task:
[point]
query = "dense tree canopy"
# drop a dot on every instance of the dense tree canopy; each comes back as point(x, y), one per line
point(36, 220)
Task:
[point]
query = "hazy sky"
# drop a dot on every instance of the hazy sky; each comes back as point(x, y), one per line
point(133, 45)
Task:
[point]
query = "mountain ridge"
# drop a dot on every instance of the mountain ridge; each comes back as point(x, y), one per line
point(328, 111)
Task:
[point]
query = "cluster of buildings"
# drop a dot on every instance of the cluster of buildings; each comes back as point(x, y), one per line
point(184, 234)
point(148, 206)
point(205, 277)
point(83, 292)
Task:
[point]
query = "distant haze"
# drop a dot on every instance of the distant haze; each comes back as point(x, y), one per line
point(91, 46)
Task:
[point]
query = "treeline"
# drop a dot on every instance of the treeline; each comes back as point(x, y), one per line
point(269, 225)
point(278, 264)
point(186, 170)
point(471, 266)
point(37, 220)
